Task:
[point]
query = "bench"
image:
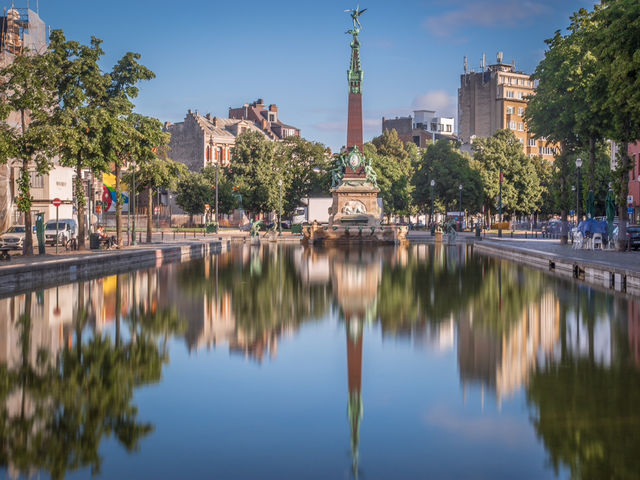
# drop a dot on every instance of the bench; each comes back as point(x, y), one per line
point(4, 254)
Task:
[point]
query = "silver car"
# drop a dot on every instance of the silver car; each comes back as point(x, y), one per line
point(14, 237)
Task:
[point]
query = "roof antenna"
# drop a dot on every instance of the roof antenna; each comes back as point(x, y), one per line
point(466, 65)
point(482, 64)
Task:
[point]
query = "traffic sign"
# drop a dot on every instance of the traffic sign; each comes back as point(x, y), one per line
point(56, 202)
point(630, 211)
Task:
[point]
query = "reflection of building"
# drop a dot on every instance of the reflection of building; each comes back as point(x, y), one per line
point(506, 363)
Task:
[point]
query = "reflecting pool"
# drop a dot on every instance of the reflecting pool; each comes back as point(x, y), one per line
point(280, 362)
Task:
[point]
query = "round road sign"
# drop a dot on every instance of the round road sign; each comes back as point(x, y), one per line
point(56, 202)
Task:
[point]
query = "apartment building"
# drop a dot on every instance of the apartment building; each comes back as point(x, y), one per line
point(495, 98)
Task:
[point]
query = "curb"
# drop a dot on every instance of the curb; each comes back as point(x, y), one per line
point(598, 274)
point(19, 278)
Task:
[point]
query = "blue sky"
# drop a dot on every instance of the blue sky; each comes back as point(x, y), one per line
point(210, 55)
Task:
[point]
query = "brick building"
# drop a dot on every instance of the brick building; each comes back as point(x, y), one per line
point(422, 128)
point(496, 99)
point(199, 140)
point(265, 118)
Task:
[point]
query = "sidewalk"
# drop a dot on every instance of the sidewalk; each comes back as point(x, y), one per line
point(629, 260)
point(611, 270)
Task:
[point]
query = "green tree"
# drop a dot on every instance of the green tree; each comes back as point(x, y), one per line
point(156, 172)
point(443, 163)
point(521, 191)
point(119, 138)
point(545, 172)
point(144, 145)
point(28, 90)
point(393, 167)
point(309, 164)
point(81, 87)
point(226, 194)
point(616, 45)
point(193, 193)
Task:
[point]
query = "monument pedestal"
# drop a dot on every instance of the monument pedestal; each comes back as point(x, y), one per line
point(355, 202)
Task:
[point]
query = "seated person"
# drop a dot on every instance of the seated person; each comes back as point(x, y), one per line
point(108, 241)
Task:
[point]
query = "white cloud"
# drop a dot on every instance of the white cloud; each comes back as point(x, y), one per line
point(485, 13)
point(444, 104)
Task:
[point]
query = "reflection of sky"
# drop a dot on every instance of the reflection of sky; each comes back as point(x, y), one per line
point(429, 410)
point(234, 418)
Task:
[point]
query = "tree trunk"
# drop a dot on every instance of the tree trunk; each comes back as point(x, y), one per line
point(27, 245)
point(118, 205)
point(622, 199)
point(149, 213)
point(592, 163)
point(81, 201)
point(564, 233)
point(25, 190)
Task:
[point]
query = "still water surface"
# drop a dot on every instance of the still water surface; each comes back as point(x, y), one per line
point(279, 362)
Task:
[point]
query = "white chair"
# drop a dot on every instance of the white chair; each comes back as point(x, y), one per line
point(578, 240)
point(596, 241)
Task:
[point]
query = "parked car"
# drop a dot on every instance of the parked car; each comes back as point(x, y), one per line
point(67, 231)
point(14, 237)
point(633, 236)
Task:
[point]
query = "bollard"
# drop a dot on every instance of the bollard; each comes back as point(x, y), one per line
point(162, 235)
point(525, 235)
point(194, 233)
point(536, 235)
point(185, 234)
point(174, 234)
point(511, 233)
point(140, 237)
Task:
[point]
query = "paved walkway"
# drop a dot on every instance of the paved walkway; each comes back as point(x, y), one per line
point(623, 260)
point(158, 238)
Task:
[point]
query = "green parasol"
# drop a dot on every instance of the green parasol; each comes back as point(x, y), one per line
point(610, 207)
point(591, 204)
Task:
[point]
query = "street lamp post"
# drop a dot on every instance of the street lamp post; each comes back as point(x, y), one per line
point(500, 206)
point(280, 208)
point(573, 189)
point(133, 205)
point(578, 164)
point(217, 172)
point(460, 208)
point(433, 184)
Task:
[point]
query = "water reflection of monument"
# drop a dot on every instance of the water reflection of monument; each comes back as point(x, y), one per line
point(354, 276)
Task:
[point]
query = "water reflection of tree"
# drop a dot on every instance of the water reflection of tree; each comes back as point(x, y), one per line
point(425, 290)
point(587, 416)
point(70, 400)
point(265, 300)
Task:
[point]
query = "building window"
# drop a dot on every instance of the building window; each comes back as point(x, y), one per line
point(37, 180)
point(532, 142)
point(416, 140)
point(509, 110)
point(546, 150)
point(520, 127)
point(509, 94)
point(449, 129)
point(512, 125)
point(520, 111)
